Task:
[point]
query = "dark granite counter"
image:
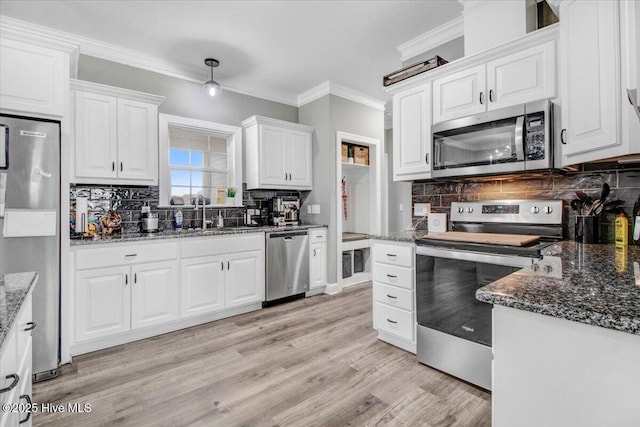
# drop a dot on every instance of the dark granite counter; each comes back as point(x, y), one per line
point(180, 234)
point(13, 290)
point(599, 285)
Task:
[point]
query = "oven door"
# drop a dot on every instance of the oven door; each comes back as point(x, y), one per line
point(454, 329)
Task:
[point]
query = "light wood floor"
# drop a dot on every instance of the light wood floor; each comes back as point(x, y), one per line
point(312, 362)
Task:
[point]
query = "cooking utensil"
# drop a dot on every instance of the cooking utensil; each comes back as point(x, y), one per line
point(603, 196)
point(576, 205)
point(584, 197)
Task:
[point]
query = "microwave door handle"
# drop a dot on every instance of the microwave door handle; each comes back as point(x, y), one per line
point(519, 138)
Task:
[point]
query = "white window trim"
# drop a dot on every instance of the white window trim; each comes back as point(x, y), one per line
point(232, 134)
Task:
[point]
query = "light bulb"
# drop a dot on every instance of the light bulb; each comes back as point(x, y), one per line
point(212, 87)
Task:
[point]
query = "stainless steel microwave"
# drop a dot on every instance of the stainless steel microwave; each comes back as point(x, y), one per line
point(513, 139)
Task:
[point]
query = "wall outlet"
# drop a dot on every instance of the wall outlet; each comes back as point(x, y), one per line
point(421, 209)
point(308, 209)
point(315, 209)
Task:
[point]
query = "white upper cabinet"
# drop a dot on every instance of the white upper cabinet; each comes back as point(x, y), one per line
point(116, 135)
point(412, 133)
point(460, 94)
point(596, 49)
point(278, 154)
point(32, 79)
point(524, 76)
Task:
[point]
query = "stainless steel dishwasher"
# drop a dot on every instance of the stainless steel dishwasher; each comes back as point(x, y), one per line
point(287, 264)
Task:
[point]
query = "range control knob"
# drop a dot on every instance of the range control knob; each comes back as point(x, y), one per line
point(460, 209)
point(547, 209)
point(534, 209)
point(535, 267)
point(548, 269)
point(470, 210)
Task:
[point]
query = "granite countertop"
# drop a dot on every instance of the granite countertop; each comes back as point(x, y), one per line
point(600, 286)
point(399, 236)
point(180, 234)
point(13, 290)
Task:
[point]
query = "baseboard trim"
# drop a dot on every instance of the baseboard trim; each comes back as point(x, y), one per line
point(333, 288)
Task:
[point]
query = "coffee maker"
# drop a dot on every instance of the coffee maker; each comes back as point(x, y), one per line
point(284, 210)
point(257, 214)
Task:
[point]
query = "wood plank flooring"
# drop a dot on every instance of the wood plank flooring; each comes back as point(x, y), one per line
point(312, 362)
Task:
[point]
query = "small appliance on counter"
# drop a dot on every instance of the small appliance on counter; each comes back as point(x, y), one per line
point(256, 214)
point(284, 210)
point(149, 222)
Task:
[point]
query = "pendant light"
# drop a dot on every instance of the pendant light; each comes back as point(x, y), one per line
point(211, 86)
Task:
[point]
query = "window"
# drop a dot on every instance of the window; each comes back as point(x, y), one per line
point(198, 159)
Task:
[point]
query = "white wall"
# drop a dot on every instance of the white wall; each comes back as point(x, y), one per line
point(399, 193)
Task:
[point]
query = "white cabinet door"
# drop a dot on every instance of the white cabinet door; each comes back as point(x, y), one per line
point(590, 58)
point(103, 302)
point(272, 155)
point(525, 76)
point(154, 293)
point(318, 265)
point(31, 78)
point(244, 278)
point(460, 94)
point(137, 140)
point(202, 285)
point(95, 135)
point(412, 133)
point(298, 159)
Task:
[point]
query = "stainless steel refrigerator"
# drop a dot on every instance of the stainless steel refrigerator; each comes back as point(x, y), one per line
point(30, 224)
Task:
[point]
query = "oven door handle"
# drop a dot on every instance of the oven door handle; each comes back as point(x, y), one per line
point(519, 134)
point(505, 260)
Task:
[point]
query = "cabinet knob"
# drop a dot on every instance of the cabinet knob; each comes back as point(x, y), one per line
point(481, 98)
point(563, 133)
point(490, 95)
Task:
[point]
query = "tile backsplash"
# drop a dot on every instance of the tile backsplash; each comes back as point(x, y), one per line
point(128, 201)
point(624, 183)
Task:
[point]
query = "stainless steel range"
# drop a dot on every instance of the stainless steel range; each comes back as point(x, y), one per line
point(490, 240)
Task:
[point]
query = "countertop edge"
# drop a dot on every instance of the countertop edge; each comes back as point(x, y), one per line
point(16, 305)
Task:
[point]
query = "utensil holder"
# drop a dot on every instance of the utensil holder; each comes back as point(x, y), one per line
point(586, 229)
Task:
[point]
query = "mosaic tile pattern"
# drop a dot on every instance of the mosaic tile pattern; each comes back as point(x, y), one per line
point(128, 202)
point(624, 183)
point(597, 287)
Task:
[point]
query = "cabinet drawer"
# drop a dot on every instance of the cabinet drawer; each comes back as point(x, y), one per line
point(393, 296)
point(317, 235)
point(123, 255)
point(393, 320)
point(393, 275)
point(215, 245)
point(394, 255)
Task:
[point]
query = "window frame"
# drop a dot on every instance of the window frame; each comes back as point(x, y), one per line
point(233, 135)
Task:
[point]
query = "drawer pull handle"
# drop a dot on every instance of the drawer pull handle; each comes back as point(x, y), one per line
point(392, 255)
point(131, 255)
point(30, 326)
point(29, 402)
point(16, 380)
point(391, 296)
point(391, 276)
point(392, 321)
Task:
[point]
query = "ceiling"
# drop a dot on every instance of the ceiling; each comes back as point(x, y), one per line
point(272, 49)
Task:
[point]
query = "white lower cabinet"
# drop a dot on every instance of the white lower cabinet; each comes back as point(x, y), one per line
point(125, 292)
point(394, 315)
point(202, 287)
point(317, 258)
point(16, 368)
point(103, 302)
point(154, 293)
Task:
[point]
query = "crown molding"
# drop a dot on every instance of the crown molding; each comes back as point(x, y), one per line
point(326, 88)
point(49, 37)
point(431, 39)
point(115, 91)
point(15, 29)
